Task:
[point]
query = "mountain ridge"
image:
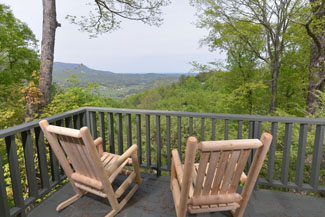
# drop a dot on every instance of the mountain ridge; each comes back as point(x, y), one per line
point(110, 84)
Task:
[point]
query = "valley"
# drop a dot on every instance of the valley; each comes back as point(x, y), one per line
point(108, 84)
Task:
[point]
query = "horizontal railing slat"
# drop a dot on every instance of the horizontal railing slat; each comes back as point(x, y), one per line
point(212, 115)
point(23, 127)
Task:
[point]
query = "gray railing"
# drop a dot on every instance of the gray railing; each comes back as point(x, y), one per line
point(43, 176)
point(294, 160)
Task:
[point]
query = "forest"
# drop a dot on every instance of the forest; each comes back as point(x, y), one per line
point(275, 65)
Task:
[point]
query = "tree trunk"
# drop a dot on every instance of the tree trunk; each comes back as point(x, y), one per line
point(275, 70)
point(317, 58)
point(316, 77)
point(47, 50)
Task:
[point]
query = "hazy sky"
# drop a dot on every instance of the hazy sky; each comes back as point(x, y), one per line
point(133, 48)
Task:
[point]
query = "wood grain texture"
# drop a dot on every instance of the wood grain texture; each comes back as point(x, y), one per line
point(95, 170)
point(211, 185)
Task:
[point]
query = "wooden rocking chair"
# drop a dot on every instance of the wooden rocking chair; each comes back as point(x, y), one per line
point(94, 170)
point(211, 185)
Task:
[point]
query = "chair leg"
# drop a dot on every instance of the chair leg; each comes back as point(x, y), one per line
point(123, 202)
point(68, 202)
point(112, 213)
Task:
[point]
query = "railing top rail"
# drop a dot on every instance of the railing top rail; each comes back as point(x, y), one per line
point(25, 126)
point(33, 124)
point(320, 121)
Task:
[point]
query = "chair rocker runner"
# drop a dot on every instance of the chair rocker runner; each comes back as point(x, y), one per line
point(211, 185)
point(94, 170)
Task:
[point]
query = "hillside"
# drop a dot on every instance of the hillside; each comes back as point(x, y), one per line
point(114, 85)
point(214, 91)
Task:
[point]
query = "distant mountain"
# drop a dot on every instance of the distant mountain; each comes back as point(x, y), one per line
point(75, 66)
point(114, 85)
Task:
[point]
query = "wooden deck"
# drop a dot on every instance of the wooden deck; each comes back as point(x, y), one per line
point(155, 199)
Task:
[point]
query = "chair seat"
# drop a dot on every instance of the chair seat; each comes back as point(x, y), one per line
point(108, 158)
point(212, 208)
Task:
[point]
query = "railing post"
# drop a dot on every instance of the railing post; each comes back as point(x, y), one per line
point(87, 120)
point(202, 128)
point(4, 206)
point(179, 136)
point(213, 128)
point(274, 132)
point(139, 140)
point(76, 121)
point(119, 133)
point(240, 130)
point(317, 156)
point(102, 129)
point(168, 143)
point(68, 122)
point(286, 154)
point(158, 141)
point(128, 130)
point(250, 136)
point(190, 127)
point(301, 155)
point(148, 147)
point(30, 164)
point(83, 119)
point(41, 154)
point(93, 124)
point(111, 133)
point(226, 132)
point(15, 175)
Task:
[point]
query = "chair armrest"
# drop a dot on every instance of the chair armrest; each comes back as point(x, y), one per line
point(125, 156)
point(98, 142)
point(178, 165)
point(243, 178)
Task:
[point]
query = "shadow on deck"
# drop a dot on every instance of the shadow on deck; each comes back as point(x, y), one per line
point(154, 198)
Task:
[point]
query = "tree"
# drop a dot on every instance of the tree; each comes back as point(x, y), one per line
point(108, 14)
point(18, 53)
point(47, 50)
point(106, 18)
point(271, 19)
point(315, 27)
point(18, 61)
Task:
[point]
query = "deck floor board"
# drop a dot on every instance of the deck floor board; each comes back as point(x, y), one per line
point(154, 198)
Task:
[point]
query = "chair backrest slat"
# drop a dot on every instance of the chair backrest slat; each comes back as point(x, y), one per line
point(220, 171)
point(221, 165)
point(71, 152)
point(91, 169)
point(239, 170)
point(201, 173)
point(78, 155)
point(81, 155)
point(211, 172)
point(229, 171)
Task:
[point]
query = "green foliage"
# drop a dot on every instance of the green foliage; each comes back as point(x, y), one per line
point(18, 60)
point(18, 53)
point(11, 105)
point(76, 97)
point(214, 91)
